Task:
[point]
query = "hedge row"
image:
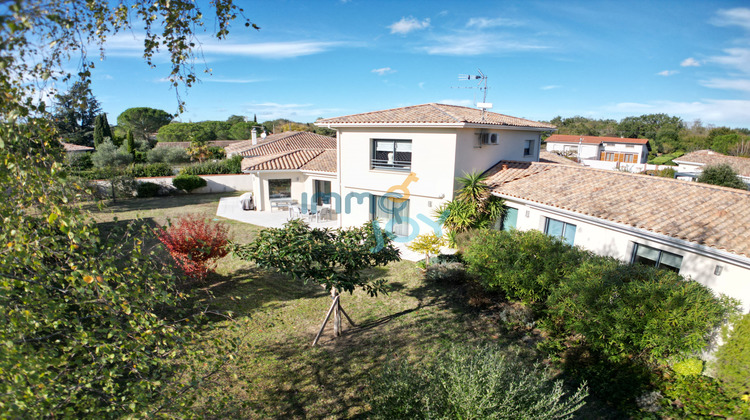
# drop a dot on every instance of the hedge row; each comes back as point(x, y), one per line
point(134, 171)
point(232, 165)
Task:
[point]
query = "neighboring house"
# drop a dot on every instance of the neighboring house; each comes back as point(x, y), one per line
point(698, 230)
point(415, 153)
point(289, 168)
point(690, 166)
point(72, 149)
point(608, 149)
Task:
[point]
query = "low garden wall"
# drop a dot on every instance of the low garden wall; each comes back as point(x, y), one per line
point(215, 183)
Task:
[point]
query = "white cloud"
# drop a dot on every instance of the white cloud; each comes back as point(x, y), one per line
point(732, 17)
point(479, 44)
point(131, 45)
point(729, 84)
point(667, 73)
point(482, 23)
point(738, 58)
point(550, 87)
point(383, 71)
point(690, 62)
point(406, 25)
point(459, 102)
point(714, 111)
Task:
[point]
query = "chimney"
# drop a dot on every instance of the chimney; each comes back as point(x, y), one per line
point(505, 166)
point(254, 137)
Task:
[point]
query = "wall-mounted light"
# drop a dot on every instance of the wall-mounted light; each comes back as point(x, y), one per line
point(528, 213)
point(718, 270)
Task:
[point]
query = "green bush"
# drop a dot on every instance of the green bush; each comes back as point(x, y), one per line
point(698, 396)
point(524, 265)
point(723, 175)
point(447, 272)
point(626, 311)
point(733, 358)
point(188, 182)
point(168, 155)
point(79, 161)
point(148, 189)
point(232, 165)
point(150, 170)
point(470, 383)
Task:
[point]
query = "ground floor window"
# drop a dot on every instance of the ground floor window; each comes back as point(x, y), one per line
point(647, 255)
point(279, 188)
point(392, 212)
point(562, 230)
point(508, 221)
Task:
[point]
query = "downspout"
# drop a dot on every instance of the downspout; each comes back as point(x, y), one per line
point(338, 174)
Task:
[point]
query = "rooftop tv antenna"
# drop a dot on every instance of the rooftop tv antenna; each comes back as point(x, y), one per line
point(481, 85)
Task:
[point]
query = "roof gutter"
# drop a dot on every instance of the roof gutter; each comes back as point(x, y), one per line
point(438, 125)
point(703, 250)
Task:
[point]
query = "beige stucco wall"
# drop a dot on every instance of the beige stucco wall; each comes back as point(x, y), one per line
point(302, 182)
point(733, 281)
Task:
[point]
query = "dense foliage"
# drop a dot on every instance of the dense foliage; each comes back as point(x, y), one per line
point(108, 155)
point(75, 114)
point(232, 165)
point(699, 396)
point(733, 358)
point(206, 131)
point(167, 155)
point(473, 208)
point(472, 383)
point(624, 311)
point(188, 182)
point(195, 244)
point(148, 189)
point(722, 175)
point(525, 266)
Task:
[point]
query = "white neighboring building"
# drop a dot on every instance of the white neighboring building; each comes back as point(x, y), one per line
point(608, 149)
point(690, 166)
point(415, 153)
point(701, 231)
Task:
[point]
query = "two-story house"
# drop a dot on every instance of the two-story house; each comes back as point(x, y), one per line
point(608, 149)
point(398, 165)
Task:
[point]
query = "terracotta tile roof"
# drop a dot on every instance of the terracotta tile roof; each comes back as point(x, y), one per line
point(709, 157)
point(306, 159)
point(432, 113)
point(565, 138)
point(549, 157)
point(704, 214)
point(186, 144)
point(283, 142)
point(70, 147)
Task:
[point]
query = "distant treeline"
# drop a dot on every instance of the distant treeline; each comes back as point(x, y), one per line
point(666, 134)
point(235, 128)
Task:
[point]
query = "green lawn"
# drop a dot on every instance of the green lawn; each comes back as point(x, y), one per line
point(277, 373)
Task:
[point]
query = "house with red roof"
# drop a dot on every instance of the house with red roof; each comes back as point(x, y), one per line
point(609, 149)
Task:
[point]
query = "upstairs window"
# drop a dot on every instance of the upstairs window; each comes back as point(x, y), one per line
point(643, 254)
point(391, 154)
point(528, 147)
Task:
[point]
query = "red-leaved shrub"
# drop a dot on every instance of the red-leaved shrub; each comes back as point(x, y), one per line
point(195, 244)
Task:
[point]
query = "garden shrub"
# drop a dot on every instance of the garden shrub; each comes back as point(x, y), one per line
point(446, 272)
point(167, 155)
point(232, 165)
point(688, 367)
point(195, 244)
point(188, 182)
point(148, 189)
point(699, 396)
point(150, 170)
point(626, 311)
point(472, 383)
point(524, 265)
point(733, 358)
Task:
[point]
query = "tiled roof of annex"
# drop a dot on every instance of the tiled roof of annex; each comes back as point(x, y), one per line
point(433, 113)
point(70, 147)
point(709, 157)
point(704, 214)
point(282, 142)
point(566, 138)
point(306, 159)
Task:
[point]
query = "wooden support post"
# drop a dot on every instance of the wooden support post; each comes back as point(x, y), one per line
point(322, 327)
point(336, 314)
point(347, 316)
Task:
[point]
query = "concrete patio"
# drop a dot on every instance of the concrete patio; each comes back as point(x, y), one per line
point(230, 208)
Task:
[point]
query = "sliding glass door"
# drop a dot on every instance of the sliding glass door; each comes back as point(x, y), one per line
point(393, 214)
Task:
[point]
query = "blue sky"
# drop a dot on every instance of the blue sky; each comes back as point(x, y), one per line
point(328, 58)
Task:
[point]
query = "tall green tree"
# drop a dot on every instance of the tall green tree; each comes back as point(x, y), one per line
point(130, 143)
point(75, 112)
point(91, 322)
point(143, 121)
point(102, 130)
